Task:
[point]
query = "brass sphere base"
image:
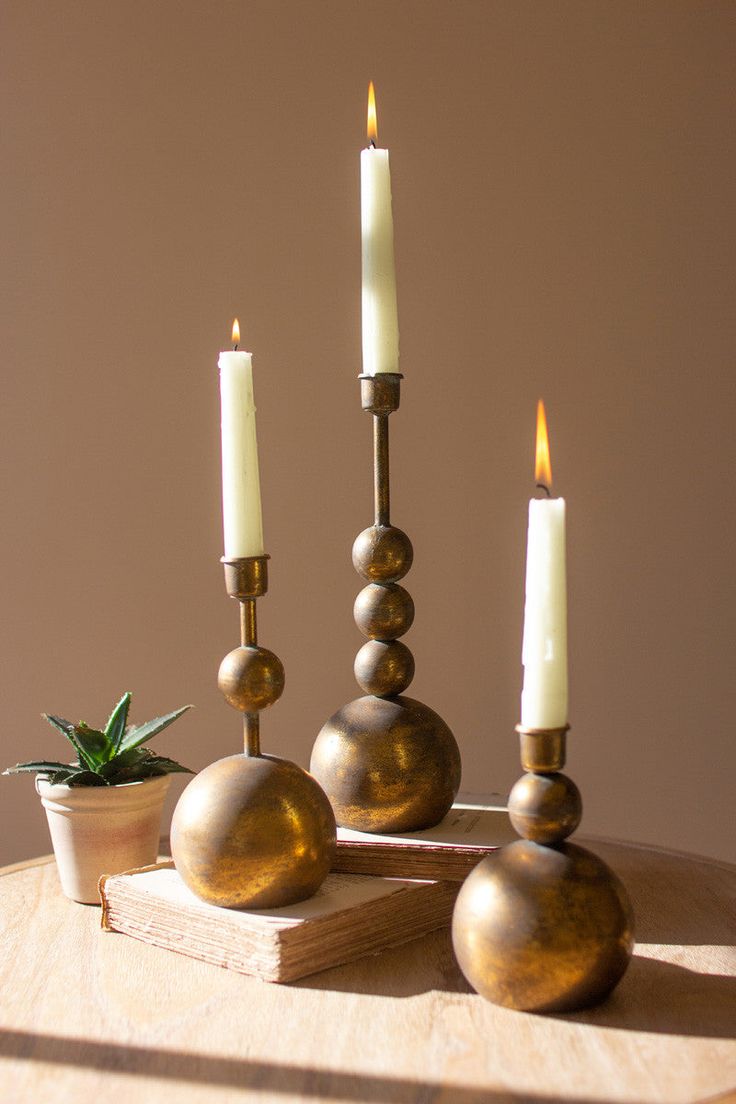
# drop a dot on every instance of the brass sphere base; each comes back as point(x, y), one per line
point(253, 832)
point(543, 929)
point(387, 765)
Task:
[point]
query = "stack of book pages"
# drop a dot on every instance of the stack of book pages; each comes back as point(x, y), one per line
point(351, 915)
point(450, 850)
point(383, 890)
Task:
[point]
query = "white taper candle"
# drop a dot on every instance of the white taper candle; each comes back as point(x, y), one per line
point(241, 490)
point(544, 650)
point(380, 317)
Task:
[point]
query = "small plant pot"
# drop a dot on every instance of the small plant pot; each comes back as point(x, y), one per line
point(99, 830)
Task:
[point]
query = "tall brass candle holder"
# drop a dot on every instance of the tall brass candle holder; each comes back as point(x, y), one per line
point(388, 763)
point(251, 830)
point(542, 925)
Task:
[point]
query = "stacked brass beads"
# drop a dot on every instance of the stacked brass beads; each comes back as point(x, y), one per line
point(543, 925)
point(383, 610)
point(251, 830)
point(387, 763)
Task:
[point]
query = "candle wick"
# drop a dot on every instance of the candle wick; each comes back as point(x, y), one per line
point(372, 144)
point(235, 347)
point(545, 488)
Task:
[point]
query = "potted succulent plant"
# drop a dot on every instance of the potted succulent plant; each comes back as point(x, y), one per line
point(104, 810)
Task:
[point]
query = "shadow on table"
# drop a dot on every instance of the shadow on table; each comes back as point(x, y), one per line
point(420, 966)
point(654, 996)
point(666, 999)
point(265, 1077)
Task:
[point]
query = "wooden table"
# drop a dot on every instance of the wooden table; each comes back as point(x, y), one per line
point(88, 1015)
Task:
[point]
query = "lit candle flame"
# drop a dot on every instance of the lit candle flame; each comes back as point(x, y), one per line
point(543, 465)
point(372, 118)
point(236, 333)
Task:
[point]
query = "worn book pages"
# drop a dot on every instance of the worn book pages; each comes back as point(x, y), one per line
point(349, 916)
point(449, 850)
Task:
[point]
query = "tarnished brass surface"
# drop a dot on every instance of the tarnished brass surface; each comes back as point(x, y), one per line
point(253, 832)
point(542, 749)
point(381, 394)
point(384, 667)
point(384, 611)
point(246, 577)
point(543, 929)
point(387, 765)
point(545, 808)
point(382, 554)
point(542, 925)
point(251, 678)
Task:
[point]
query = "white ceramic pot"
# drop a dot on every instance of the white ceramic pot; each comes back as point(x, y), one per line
point(99, 830)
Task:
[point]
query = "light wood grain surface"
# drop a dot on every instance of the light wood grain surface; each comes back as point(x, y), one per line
point(88, 1015)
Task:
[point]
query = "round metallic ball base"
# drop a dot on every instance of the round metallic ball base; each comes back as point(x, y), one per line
point(545, 808)
point(253, 832)
point(382, 554)
point(384, 667)
point(387, 765)
point(383, 611)
point(251, 678)
point(543, 929)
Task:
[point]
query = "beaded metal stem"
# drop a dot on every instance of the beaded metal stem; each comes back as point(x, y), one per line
point(543, 925)
point(387, 763)
point(251, 678)
point(251, 830)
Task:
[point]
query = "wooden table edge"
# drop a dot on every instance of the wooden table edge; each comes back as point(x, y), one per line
point(25, 864)
point(723, 864)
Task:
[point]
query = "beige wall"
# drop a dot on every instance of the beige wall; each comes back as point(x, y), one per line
point(563, 198)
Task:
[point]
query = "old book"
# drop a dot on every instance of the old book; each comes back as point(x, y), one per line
point(349, 916)
point(448, 851)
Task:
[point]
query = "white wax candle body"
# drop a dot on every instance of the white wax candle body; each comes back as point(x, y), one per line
point(544, 652)
point(241, 489)
point(380, 318)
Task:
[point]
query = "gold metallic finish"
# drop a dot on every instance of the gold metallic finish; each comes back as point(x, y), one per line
point(542, 749)
point(381, 394)
point(545, 808)
point(542, 925)
point(251, 734)
point(253, 832)
point(246, 577)
point(543, 929)
point(248, 622)
point(382, 554)
point(381, 470)
point(383, 611)
point(384, 667)
point(387, 762)
point(251, 678)
point(387, 765)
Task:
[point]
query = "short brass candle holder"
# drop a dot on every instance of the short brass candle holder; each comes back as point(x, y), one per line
point(542, 925)
point(388, 763)
point(251, 830)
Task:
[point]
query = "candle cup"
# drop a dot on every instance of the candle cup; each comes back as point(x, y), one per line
point(542, 749)
point(252, 830)
point(543, 925)
point(387, 763)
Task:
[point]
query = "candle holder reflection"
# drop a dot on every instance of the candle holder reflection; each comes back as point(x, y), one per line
point(388, 763)
point(252, 830)
point(543, 925)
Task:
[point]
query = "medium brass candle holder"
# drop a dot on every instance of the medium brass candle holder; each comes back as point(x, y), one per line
point(542, 925)
point(387, 763)
point(251, 830)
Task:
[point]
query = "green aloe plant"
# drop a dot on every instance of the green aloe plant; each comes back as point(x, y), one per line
point(111, 757)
